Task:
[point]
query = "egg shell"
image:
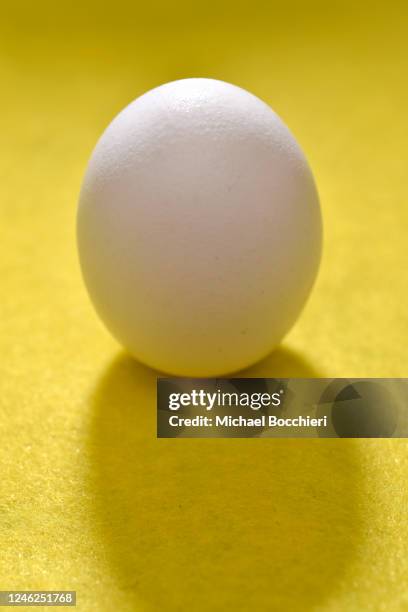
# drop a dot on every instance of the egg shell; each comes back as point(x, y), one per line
point(199, 228)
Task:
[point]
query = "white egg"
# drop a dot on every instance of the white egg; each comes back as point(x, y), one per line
point(199, 228)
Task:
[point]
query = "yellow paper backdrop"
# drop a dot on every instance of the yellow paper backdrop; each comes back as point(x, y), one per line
point(89, 498)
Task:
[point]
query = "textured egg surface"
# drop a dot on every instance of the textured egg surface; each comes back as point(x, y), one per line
point(199, 228)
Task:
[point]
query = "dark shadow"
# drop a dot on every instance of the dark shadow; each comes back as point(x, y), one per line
point(219, 524)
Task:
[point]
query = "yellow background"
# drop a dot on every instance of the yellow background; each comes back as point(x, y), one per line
point(89, 498)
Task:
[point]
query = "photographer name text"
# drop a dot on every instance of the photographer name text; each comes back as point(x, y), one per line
point(241, 421)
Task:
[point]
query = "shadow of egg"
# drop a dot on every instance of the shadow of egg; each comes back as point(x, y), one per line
point(218, 524)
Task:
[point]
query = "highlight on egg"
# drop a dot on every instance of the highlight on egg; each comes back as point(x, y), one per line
point(199, 228)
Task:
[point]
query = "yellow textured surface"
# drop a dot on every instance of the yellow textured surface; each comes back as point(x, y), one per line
point(89, 499)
